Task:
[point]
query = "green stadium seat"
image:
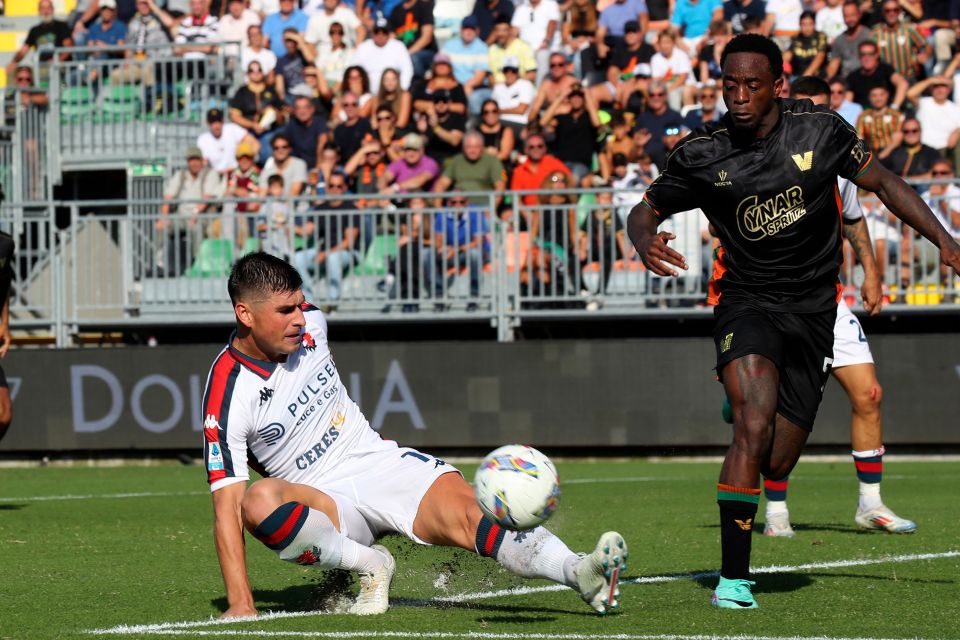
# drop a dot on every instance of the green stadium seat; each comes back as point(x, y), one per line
point(76, 103)
point(214, 259)
point(374, 263)
point(252, 245)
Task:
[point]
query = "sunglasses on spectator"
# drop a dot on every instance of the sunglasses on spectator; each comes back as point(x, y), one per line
point(24, 79)
point(911, 130)
point(458, 201)
point(336, 32)
point(380, 118)
point(657, 94)
point(277, 147)
point(511, 70)
point(411, 149)
point(554, 65)
point(349, 104)
point(493, 111)
point(336, 185)
point(536, 146)
point(940, 173)
point(867, 54)
point(671, 131)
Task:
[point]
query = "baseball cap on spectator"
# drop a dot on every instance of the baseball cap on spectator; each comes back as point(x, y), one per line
point(245, 149)
point(214, 115)
point(381, 25)
point(631, 26)
point(107, 4)
point(576, 89)
point(441, 95)
point(442, 58)
point(501, 19)
point(194, 152)
point(642, 70)
point(412, 141)
point(510, 62)
point(470, 22)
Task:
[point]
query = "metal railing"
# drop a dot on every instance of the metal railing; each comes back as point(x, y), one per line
point(23, 146)
point(548, 254)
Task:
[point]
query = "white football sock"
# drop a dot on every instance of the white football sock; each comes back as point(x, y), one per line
point(776, 507)
point(870, 495)
point(538, 554)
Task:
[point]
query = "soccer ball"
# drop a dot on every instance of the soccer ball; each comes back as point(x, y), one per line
point(517, 487)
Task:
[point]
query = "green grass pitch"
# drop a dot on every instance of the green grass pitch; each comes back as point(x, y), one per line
point(76, 556)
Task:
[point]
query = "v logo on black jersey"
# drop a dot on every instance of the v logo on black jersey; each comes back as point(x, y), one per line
point(804, 161)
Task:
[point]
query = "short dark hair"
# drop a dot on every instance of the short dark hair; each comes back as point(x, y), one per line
point(810, 86)
point(275, 179)
point(808, 14)
point(257, 275)
point(754, 43)
point(283, 137)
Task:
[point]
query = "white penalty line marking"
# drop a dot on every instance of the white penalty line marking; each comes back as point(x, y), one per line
point(104, 496)
point(187, 628)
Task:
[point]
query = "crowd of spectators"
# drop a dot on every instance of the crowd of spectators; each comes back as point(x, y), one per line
point(525, 94)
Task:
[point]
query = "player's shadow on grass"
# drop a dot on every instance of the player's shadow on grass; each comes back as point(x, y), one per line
point(768, 583)
point(293, 598)
point(12, 507)
point(516, 610)
point(874, 578)
point(830, 526)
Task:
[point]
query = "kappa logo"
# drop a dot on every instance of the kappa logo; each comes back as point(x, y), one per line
point(722, 179)
point(726, 343)
point(265, 394)
point(746, 525)
point(308, 342)
point(272, 433)
point(804, 161)
point(211, 424)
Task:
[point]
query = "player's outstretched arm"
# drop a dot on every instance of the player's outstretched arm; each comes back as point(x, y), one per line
point(228, 538)
point(652, 246)
point(904, 203)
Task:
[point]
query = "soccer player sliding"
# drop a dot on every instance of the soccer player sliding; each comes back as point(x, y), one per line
point(766, 178)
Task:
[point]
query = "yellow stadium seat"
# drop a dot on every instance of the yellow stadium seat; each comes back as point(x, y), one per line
point(19, 8)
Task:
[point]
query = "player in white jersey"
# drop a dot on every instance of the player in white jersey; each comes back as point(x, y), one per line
point(274, 401)
point(853, 368)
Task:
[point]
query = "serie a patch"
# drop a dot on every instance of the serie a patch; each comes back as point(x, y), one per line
point(215, 460)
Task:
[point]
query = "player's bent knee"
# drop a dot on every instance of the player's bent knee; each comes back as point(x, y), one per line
point(259, 501)
point(868, 400)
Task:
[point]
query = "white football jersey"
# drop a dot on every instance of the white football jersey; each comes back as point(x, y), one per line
point(295, 417)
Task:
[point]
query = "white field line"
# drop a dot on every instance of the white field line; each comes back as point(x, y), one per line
point(477, 635)
point(103, 496)
point(190, 628)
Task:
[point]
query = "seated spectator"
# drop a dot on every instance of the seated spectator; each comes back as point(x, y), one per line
point(392, 96)
point(879, 126)
point(536, 169)
point(940, 17)
point(291, 65)
point(330, 163)
point(673, 68)
point(632, 93)
point(808, 49)
point(829, 20)
point(937, 113)
point(387, 132)
point(537, 23)
point(196, 38)
point(412, 24)
point(613, 19)
point(412, 172)
point(444, 130)
point(107, 31)
point(692, 20)
point(332, 242)
point(845, 48)
point(617, 143)
point(256, 52)
point(488, 12)
point(873, 73)
point(847, 110)
point(274, 225)
point(555, 83)
point(461, 241)
point(219, 144)
point(256, 107)
point(943, 198)
point(440, 80)
point(404, 270)
point(708, 61)
point(623, 62)
point(578, 37)
point(506, 45)
point(498, 140)
point(282, 162)
point(349, 134)
point(900, 44)
point(235, 25)
point(288, 17)
point(316, 88)
point(655, 119)
point(737, 12)
point(469, 59)
point(912, 159)
point(630, 179)
point(243, 181)
point(708, 111)
point(574, 132)
point(365, 168)
point(332, 57)
point(552, 228)
point(514, 96)
point(380, 52)
point(181, 238)
point(48, 34)
point(783, 20)
point(334, 12)
point(150, 26)
point(603, 239)
point(307, 131)
point(472, 170)
point(357, 83)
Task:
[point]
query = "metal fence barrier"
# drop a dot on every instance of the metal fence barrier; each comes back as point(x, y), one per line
point(415, 257)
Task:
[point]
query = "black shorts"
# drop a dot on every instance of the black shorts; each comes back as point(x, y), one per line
point(799, 344)
point(3, 379)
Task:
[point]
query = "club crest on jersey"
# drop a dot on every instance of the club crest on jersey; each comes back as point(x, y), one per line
point(307, 342)
point(758, 220)
point(803, 160)
point(722, 179)
point(513, 463)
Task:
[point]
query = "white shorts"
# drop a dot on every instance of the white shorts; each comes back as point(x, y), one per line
point(850, 345)
point(379, 490)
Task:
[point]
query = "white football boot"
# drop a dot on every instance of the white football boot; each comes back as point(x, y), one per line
point(598, 572)
point(883, 519)
point(778, 525)
point(374, 596)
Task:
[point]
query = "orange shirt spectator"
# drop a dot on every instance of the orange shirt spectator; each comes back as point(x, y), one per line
point(538, 165)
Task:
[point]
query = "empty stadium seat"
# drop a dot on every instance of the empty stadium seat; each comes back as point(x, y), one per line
point(374, 263)
point(214, 259)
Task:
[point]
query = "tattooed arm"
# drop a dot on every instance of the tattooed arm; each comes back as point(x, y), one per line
point(859, 236)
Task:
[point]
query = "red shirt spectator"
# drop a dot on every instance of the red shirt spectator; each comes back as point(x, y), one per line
point(538, 165)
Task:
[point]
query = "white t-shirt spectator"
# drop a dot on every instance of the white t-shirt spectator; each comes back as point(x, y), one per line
point(666, 68)
point(192, 31)
point(375, 60)
point(221, 153)
point(532, 22)
point(944, 207)
point(318, 28)
point(830, 22)
point(232, 29)
point(937, 121)
point(295, 171)
point(266, 58)
point(786, 15)
point(520, 92)
point(265, 7)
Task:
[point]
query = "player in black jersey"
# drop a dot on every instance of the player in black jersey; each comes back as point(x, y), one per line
point(766, 178)
point(6, 277)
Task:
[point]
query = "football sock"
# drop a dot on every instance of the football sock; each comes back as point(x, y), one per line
point(307, 536)
point(869, 471)
point(738, 507)
point(536, 553)
point(775, 491)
